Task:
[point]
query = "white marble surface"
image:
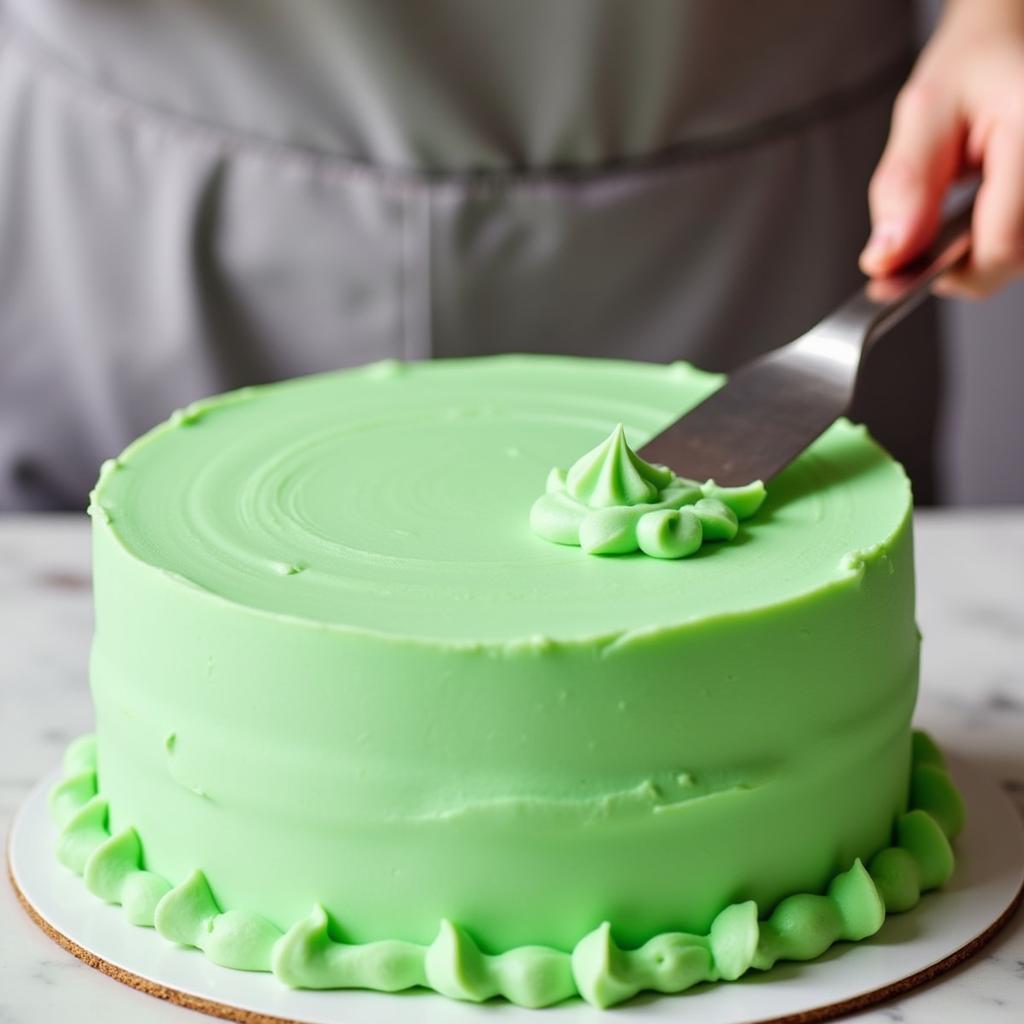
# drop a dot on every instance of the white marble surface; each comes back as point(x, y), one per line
point(971, 610)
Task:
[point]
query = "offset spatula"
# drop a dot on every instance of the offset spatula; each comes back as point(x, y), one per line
point(771, 409)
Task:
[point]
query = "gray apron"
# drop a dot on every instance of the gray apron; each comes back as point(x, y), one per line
point(196, 196)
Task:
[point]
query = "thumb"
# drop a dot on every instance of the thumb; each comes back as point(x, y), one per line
point(920, 161)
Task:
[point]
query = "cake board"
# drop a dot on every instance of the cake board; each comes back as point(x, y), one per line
point(912, 948)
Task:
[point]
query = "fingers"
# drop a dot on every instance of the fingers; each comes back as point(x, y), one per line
point(920, 161)
point(997, 242)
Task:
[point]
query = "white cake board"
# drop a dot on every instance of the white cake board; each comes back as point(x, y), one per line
point(911, 948)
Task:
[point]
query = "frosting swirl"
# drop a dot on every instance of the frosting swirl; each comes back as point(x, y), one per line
point(613, 474)
point(612, 502)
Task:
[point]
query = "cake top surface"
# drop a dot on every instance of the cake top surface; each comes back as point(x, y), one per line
point(395, 499)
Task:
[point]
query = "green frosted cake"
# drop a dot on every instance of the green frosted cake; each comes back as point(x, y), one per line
point(359, 722)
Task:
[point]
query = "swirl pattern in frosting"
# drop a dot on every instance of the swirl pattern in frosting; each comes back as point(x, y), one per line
point(612, 502)
point(307, 955)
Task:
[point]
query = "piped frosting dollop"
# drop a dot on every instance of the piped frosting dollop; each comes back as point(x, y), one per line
point(612, 502)
point(612, 474)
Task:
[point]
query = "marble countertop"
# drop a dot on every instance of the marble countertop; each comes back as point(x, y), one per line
point(971, 611)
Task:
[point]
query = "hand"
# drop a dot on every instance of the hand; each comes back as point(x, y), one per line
point(961, 111)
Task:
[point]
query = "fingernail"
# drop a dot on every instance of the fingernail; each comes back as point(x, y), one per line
point(886, 236)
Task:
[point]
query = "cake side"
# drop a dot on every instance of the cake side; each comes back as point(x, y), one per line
point(800, 927)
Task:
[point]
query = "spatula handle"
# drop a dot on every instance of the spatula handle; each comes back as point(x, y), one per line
point(883, 302)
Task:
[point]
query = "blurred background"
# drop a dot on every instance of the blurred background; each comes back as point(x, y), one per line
point(982, 431)
point(982, 434)
point(194, 197)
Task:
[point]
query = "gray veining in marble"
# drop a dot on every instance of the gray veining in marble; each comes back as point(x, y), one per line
point(971, 610)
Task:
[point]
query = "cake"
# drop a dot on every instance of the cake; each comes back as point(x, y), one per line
point(359, 724)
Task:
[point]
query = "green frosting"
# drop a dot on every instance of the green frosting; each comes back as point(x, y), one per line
point(612, 474)
point(307, 957)
point(388, 500)
point(801, 927)
point(114, 873)
point(743, 501)
point(612, 502)
point(190, 916)
point(438, 715)
point(669, 533)
point(717, 519)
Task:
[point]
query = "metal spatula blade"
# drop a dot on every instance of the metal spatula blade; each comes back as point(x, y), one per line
point(771, 409)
